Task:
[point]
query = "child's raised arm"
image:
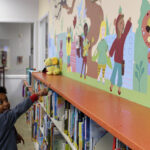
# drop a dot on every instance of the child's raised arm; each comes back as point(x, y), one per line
point(9, 117)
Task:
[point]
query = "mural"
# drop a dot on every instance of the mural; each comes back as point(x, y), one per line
point(103, 45)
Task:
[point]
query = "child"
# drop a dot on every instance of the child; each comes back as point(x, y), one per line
point(68, 50)
point(102, 50)
point(8, 117)
point(85, 46)
point(117, 50)
point(18, 136)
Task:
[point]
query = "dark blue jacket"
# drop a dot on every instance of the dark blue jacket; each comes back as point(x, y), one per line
point(7, 121)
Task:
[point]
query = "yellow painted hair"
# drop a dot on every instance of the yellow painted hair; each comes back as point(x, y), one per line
point(148, 22)
point(103, 24)
point(68, 35)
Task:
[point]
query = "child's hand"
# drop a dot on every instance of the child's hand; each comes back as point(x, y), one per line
point(43, 92)
point(19, 139)
point(107, 53)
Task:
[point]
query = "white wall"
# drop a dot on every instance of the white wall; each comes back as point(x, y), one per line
point(22, 11)
point(14, 88)
point(19, 37)
point(18, 10)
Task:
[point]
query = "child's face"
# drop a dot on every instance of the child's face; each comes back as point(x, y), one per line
point(85, 30)
point(4, 104)
point(121, 25)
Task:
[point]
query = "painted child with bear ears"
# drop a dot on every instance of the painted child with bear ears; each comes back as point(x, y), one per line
point(9, 138)
point(117, 50)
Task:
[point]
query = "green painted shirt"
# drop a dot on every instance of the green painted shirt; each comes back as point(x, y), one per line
point(102, 49)
point(86, 46)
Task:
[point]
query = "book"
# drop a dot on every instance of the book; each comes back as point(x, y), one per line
point(72, 117)
point(66, 118)
point(76, 128)
point(80, 136)
point(96, 133)
point(60, 108)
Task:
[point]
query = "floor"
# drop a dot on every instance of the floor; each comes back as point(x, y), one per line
point(25, 131)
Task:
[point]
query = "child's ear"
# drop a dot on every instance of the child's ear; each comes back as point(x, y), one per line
point(115, 21)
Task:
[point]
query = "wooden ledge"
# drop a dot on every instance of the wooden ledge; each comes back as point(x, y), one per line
point(127, 121)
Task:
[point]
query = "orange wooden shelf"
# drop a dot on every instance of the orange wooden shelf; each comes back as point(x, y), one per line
point(127, 121)
point(27, 85)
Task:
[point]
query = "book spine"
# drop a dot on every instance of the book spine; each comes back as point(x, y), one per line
point(66, 118)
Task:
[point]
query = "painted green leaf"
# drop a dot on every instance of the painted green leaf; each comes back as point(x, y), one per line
point(137, 67)
point(142, 71)
point(141, 63)
point(136, 74)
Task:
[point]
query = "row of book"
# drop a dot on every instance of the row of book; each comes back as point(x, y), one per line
point(118, 145)
point(82, 131)
point(44, 131)
point(49, 138)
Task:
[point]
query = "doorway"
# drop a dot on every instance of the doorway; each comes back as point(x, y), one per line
point(43, 41)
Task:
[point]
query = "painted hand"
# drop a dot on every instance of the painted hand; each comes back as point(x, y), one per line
point(107, 53)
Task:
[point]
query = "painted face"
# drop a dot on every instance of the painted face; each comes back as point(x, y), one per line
point(148, 57)
point(4, 104)
point(68, 39)
point(146, 29)
point(103, 32)
point(85, 30)
point(121, 25)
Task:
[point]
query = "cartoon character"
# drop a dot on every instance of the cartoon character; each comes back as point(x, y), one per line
point(93, 9)
point(63, 3)
point(68, 50)
point(146, 29)
point(117, 50)
point(58, 7)
point(85, 45)
point(102, 52)
point(61, 51)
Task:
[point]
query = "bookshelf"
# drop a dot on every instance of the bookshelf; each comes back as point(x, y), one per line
point(28, 86)
point(123, 119)
point(58, 124)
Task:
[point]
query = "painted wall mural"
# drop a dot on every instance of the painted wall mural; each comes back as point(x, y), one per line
point(103, 44)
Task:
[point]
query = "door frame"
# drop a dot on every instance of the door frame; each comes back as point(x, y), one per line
point(40, 52)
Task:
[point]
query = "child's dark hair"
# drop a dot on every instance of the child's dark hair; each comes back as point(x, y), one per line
point(3, 90)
